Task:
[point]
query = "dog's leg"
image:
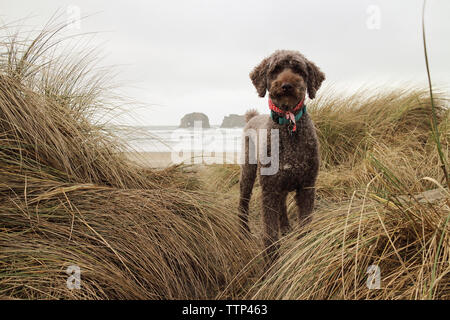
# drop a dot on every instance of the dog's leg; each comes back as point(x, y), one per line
point(305, 202)
point(285, 227)
point(247, 180)
point(272, 207)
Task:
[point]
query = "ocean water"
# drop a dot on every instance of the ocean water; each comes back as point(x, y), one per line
point(174, 139)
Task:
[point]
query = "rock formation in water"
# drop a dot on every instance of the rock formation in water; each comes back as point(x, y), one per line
point(233, 121)
point(189, 119)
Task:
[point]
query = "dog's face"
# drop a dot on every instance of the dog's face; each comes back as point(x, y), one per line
point(287, 75)
point(286, 87)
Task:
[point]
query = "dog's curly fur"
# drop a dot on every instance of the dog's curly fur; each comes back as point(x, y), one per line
point(298, 151)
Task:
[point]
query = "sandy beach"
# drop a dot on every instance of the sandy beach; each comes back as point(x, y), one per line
point(165, 159)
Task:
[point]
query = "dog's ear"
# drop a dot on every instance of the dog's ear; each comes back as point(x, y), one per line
point(315, 78)
point(258, 77)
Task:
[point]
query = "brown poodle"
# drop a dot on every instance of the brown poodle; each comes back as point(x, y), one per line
point(288, 157)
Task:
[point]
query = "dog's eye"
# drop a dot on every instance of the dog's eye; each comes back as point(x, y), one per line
point(296, 69)
point(275, 70)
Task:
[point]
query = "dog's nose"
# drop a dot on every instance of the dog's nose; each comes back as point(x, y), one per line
point(286, 86)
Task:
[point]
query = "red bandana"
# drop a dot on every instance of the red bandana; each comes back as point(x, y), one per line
point(287, 114)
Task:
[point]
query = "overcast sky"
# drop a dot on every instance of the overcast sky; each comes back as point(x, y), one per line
point(186, 56)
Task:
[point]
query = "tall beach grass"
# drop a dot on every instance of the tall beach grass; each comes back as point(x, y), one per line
point(68, 196)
